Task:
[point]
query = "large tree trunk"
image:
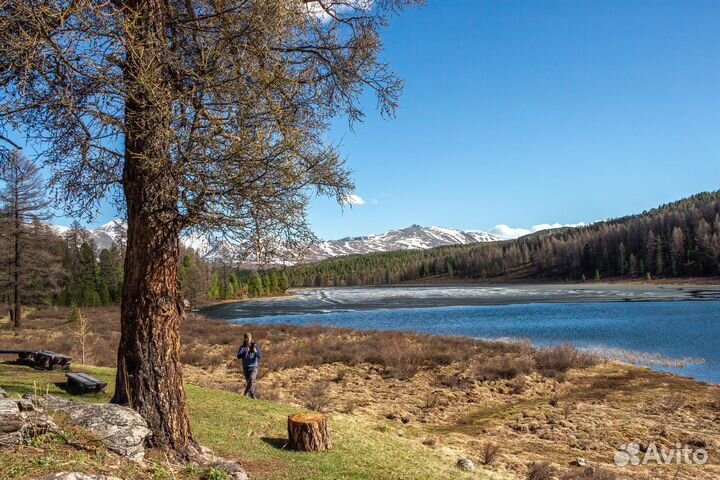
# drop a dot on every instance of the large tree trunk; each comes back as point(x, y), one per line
point(149, 374)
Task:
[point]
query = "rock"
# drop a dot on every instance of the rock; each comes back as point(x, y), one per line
point(77, 476)
point(10, 418)
point(26, 405)
point(11, 439)
point(18, 425)
point(580, 462)
point(207, 453)
point(123, 430)
point(466, 464)
point(232, 469)
point(3, 393)
point(430, 442)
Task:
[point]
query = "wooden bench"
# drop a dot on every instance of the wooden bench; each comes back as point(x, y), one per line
point(43, 359)
point(52, 360)
point(81, 383)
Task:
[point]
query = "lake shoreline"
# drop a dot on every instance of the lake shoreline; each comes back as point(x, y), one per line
point(507, 294)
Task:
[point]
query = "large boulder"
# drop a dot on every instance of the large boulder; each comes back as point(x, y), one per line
point(122, 429)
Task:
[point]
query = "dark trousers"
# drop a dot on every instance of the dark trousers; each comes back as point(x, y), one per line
point(250, 376)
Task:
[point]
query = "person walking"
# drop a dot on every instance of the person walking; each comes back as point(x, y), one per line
point(250, 355)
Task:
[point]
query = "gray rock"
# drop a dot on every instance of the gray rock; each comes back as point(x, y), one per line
point(11, 439)
point(26, 405)
point(19, 426)
point(580, 462)
point(77, 476)
point(10, 418)
point(233, 469)
point(3, 393)
point(122, 429)
point(466, 464)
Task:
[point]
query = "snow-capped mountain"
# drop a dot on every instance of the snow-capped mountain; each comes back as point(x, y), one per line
point(413, 237)
point(104, 236)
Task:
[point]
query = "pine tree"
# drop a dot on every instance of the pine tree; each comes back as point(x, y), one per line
point(74, 315)
point(23, 202)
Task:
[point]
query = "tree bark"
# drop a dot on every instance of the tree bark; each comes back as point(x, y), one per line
point(308, 432)
point(149, 373)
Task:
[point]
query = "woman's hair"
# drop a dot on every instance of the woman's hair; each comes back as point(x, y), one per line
point(247, 337)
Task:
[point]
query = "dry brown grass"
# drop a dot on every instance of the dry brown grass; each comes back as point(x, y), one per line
point(589, 473)
point(673, 403)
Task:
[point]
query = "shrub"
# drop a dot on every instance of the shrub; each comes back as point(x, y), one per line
point(74, 315)
point(672, 403)
point(316, 397)
point(715, 403)
point(402, 358)
point(432, 400)
point(541, 471)
point(451, 381)
point(518, 386)
point(506, 366)
point(350, 407)
point(490, 452)
point(562, 358)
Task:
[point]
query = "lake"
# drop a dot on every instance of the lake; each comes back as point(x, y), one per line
point(670, 328)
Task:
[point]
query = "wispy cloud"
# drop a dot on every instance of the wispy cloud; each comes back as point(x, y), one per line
point(353, 199)
point(507, 232)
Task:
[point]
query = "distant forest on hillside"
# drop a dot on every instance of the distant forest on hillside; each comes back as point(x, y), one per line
point(678, 239)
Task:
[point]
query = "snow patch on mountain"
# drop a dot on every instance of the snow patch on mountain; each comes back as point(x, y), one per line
point(415, 237)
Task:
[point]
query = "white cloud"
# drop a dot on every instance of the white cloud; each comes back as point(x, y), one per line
point(506, 232)
point(353, 199)
point(316, 9)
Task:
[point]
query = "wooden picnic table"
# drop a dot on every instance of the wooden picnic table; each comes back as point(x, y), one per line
point(80, 383)
point(40, 359)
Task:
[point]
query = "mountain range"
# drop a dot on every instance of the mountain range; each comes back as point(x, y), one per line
point(414, 237)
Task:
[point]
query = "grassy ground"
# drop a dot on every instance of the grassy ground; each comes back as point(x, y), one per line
point(253, 431)
point(399, 406)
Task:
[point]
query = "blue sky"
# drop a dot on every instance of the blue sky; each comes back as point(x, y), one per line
point(531, 112)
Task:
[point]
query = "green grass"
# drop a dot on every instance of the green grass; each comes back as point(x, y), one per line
point(255, 431)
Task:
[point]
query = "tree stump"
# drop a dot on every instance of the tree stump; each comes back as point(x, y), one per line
point(308, 432)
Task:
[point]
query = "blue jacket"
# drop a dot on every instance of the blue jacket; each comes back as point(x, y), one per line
point(249, 359)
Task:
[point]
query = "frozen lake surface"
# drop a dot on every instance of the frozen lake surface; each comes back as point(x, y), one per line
point(666, 327)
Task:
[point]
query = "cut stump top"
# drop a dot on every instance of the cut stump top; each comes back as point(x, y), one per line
point(307, 417)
